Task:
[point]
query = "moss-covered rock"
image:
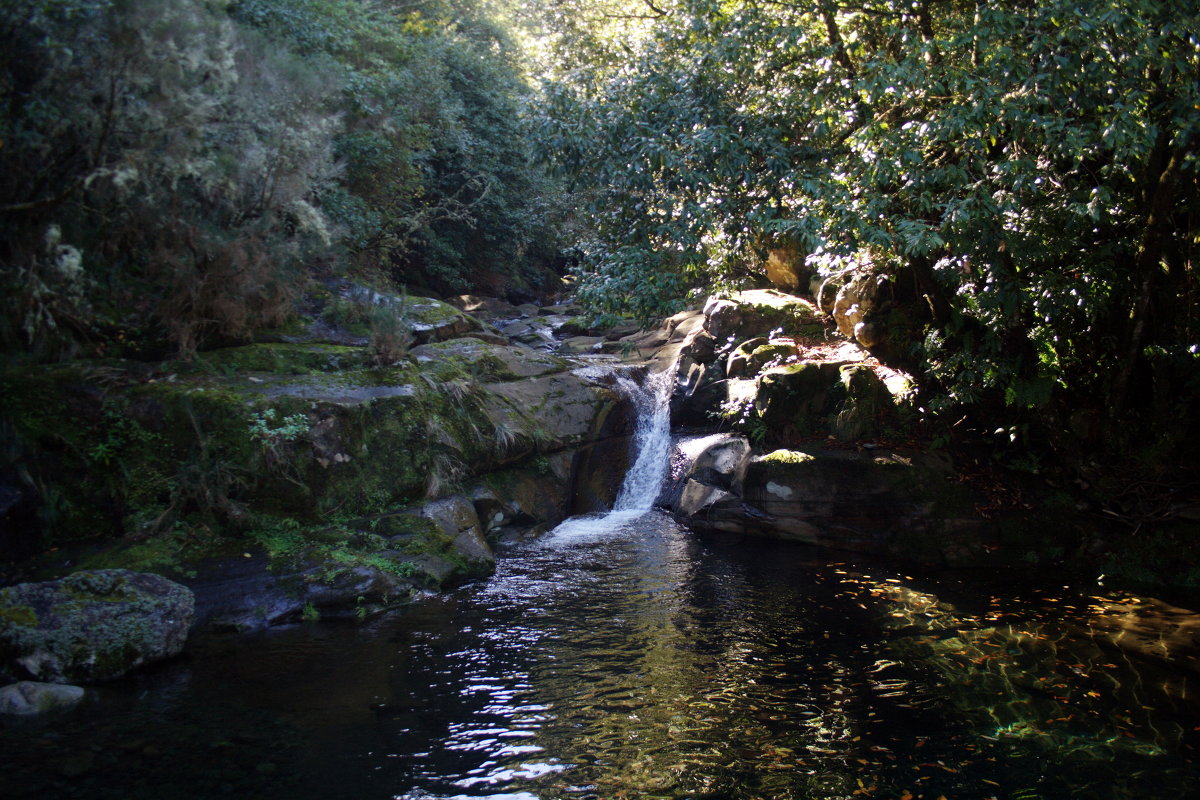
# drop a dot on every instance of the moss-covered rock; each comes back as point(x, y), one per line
point(434, 321)
point(91, 626)
point(848, 400)
point(799, 397)
point(491, 362)
point(745, 315)
point(868, 405)
point(751, 357)
point(785, 458)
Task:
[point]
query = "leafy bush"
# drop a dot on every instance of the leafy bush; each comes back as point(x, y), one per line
point(172, 172)
point(1031, 171)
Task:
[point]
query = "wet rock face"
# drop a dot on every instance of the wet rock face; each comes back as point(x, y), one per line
point(878, 502)
point(92, 626)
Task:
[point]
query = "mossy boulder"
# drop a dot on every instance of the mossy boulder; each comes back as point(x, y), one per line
point(456, 519)
point(799, 397)
point(745, 315)
point(868, 407)
point(92, 625)
point(434, 321)
point(576, 326)
point(848, 400)
point(749, 358)
point(491, 362)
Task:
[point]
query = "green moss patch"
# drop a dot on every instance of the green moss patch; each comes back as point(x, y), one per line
point(788, 457)
point(277, 358)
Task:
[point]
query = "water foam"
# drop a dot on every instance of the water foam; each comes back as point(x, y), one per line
point(643, 481)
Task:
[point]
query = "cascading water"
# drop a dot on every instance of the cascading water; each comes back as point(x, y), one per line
point(652, 441)
point(644, 479)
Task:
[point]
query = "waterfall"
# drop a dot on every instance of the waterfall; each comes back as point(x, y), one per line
point(652, 441)
point(644, 479)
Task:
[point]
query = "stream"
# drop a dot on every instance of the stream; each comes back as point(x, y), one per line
point(621, 656)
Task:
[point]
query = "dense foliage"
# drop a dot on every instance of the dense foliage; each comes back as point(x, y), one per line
point(1027, 170)
point(175, 172)
point(1024, 174)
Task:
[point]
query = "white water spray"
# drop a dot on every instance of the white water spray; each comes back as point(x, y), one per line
point(644, 479)
point(652, 441)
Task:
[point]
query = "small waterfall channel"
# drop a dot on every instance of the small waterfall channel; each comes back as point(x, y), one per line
point(652, 441)
point(651, 458)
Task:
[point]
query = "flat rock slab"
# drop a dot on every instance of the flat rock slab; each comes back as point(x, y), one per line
point(495, 362)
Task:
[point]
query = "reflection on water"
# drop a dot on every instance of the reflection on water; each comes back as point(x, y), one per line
point(621, 657)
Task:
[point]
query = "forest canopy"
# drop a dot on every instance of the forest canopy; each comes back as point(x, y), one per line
point(1027, 171)
point(1024, 173)
point(177, 170)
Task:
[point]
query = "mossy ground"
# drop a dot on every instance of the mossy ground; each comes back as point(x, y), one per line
point(270, 447)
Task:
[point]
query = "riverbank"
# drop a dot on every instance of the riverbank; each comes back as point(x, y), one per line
point(281, 481)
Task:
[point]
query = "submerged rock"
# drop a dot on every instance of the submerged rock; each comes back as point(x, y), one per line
point(26, 698)
point(92, 626)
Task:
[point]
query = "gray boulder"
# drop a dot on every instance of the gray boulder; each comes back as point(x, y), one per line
point(757, 312)
point(26, 698)
point(92, 626)
point(876, 501)
point(709, 479)
point(457, 519)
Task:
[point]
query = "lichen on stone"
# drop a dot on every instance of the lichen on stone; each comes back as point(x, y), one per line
point(784, 456)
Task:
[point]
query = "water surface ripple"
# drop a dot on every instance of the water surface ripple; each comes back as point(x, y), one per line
point(622, 657)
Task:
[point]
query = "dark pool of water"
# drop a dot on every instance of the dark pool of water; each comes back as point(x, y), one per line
point(620, 659)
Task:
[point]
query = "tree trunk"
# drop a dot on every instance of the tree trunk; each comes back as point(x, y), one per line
point(1146, 266)
point(939, 304)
